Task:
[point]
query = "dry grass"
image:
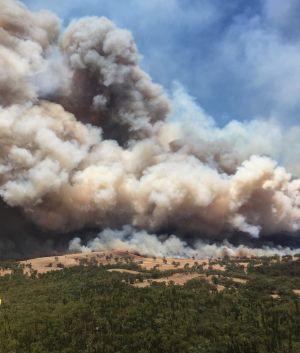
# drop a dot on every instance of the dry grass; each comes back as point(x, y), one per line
point(5, 272)
point(54, 263)
point(46, 264)
point(122, 270)
point(275, 296)
point(179, 279)
point(239, 280)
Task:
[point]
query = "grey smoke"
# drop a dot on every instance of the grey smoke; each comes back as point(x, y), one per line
point(88, 140)
point(109, 88)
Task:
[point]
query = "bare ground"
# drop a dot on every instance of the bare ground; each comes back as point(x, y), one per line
point(297, 292)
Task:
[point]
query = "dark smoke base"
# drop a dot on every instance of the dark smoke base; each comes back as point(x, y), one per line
point(21, 239)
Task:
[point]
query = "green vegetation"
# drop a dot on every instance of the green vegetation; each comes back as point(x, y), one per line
point(87, 309)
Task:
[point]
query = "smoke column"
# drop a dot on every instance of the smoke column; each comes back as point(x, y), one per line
point(88, 141)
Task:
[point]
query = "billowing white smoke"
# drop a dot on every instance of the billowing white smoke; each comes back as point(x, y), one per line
point(147, 244)
point(25, 40)
point(84, 141)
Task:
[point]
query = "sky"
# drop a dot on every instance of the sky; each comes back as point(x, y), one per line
point(239, 59)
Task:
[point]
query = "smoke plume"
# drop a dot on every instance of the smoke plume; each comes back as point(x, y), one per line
point(89, 141)
point(146, 244)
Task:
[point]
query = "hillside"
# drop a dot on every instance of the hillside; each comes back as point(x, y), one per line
point(121, 302)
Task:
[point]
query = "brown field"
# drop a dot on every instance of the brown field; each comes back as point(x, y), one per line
point(53, 263)
point(5, 272)
point(116, 257)
point(179, 279)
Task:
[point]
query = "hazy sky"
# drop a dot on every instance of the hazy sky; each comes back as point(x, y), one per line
point(239, 58)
